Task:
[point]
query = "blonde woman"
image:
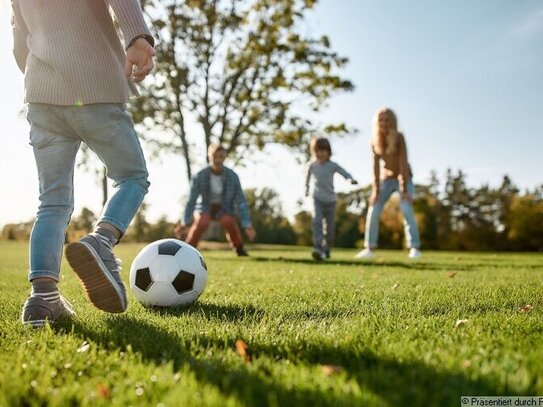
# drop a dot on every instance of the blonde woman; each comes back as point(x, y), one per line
point(391, 173)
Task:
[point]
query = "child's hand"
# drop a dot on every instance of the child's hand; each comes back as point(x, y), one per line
point(179, 231)
point(251, 233)
point(354, 182)
point(139, 60)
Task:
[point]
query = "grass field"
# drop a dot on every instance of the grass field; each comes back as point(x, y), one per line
point(344, 332)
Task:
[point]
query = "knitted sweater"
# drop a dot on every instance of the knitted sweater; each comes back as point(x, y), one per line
point(70, 51)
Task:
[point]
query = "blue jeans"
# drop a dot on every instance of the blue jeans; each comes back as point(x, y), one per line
point(325, 212)
point(388, 186)
point(56, 133)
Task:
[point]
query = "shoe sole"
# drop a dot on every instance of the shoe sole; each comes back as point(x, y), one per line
point(101, 289)
point(36, 323)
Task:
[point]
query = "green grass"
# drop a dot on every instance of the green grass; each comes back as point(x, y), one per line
point(387, 325)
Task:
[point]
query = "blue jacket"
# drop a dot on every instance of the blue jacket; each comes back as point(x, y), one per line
point(232, 201)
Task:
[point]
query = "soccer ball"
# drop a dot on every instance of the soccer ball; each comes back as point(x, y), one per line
point(167, 273)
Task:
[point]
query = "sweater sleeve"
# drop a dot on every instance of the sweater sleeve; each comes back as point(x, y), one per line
point(20, 34)
point(376, 169)
point(403, 166)
point(343, 172)
point(130, 17)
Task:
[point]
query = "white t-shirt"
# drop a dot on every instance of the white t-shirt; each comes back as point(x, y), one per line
point(216, 182)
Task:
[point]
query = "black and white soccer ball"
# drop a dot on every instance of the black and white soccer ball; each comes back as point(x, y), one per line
point(168, 273)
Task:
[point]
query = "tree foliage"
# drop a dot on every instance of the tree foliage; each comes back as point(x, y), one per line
point(450, 215)
point(243, 70)
point(267, 217)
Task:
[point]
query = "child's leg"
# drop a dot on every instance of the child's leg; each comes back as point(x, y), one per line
point(330, 220)
point(108, 130)
point(232, 230)
point(317, 224)
point(199, 226)
point(55, 153)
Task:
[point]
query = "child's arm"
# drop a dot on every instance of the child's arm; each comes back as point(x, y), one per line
point(20, 34)
point(345, 174)
point(139, 43)
point(307, 179)
point(130, 17)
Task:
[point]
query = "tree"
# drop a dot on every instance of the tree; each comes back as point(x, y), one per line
point(347, 233)
point(302, 228)
point(139, 228)
point(267, 217)
point(242, 71)
point(427, 209)
point(81, 225)
point(525, 222)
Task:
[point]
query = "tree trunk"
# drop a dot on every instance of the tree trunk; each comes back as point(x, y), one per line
point(104, 186)
point(185, 145)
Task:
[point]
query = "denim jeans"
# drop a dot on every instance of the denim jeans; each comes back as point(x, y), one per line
point(56, 133)
point(388, 186)
point(325, 212)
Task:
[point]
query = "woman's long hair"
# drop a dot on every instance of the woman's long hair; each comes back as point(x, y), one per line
point(388, 143)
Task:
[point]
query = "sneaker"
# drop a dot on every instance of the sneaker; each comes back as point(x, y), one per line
point(365, 254)
point(317, 255)
point(414, 253)
point(326, 254)
point(37, 311)
point(94, 263)
point(241, 252)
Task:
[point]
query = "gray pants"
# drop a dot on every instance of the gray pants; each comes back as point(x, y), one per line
point(325, 215)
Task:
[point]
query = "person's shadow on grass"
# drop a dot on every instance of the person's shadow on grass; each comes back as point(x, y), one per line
point(408, 264)
point(394, 381)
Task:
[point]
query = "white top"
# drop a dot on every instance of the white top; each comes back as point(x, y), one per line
point(216, 182)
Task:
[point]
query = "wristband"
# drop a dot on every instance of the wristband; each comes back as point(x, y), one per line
point(146, 37)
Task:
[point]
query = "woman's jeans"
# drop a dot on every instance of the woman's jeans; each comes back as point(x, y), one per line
point(56, 133)
point(388, 186)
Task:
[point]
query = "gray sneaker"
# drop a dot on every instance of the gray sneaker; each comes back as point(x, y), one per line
point(94, 263)
point(37, 311)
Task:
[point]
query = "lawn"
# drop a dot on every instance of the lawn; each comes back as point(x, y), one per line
point(342, 332)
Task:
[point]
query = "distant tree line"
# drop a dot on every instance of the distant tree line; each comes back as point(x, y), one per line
point(450, 214)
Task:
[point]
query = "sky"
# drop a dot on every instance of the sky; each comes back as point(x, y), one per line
point(464, 77)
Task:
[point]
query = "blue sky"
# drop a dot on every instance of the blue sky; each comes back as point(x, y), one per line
point(464, 77)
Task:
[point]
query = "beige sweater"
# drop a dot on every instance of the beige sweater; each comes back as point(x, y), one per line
point(392, 165)
point(70, 51)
